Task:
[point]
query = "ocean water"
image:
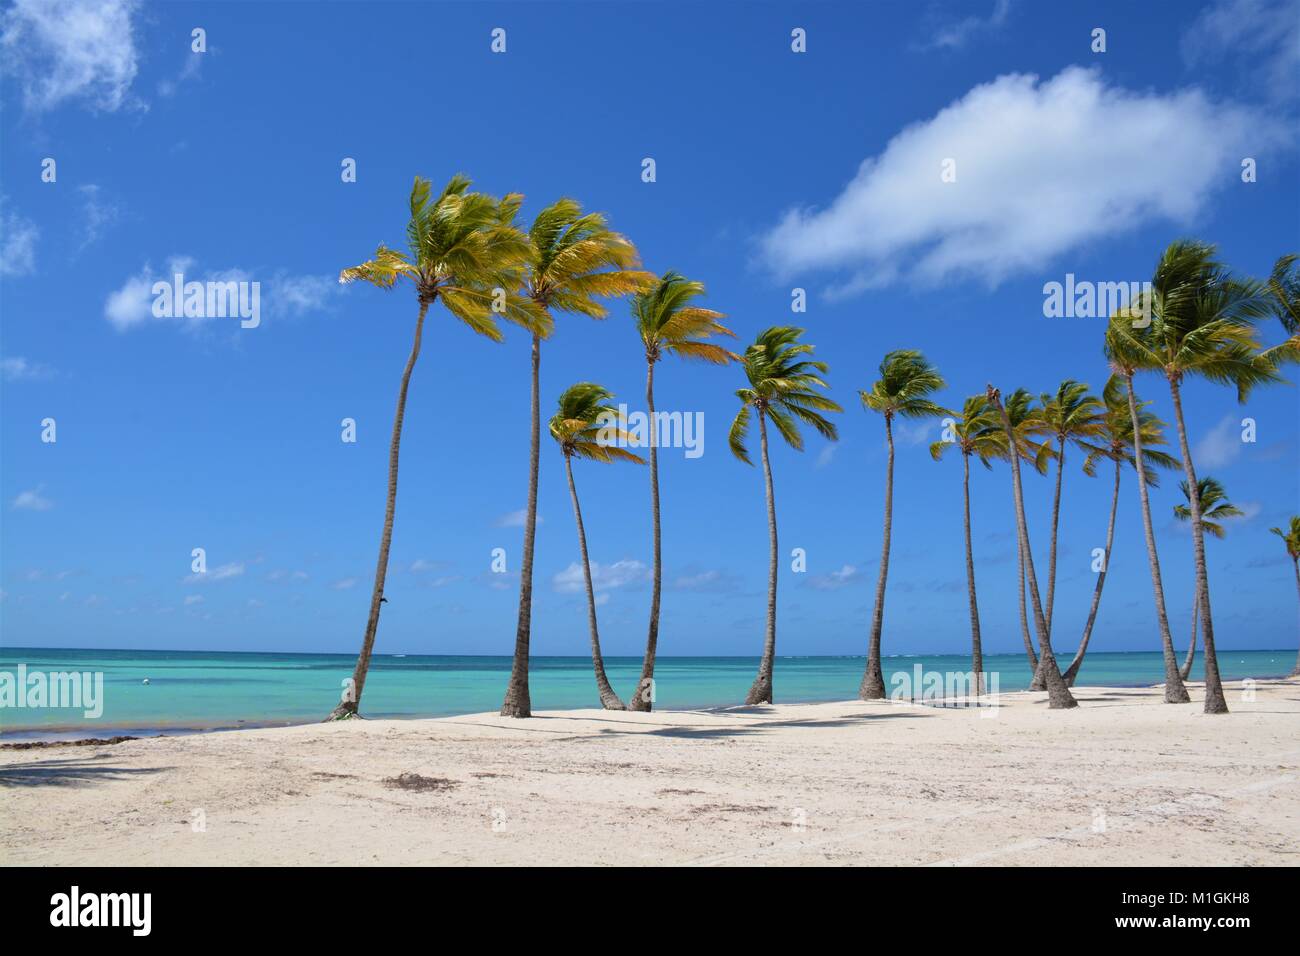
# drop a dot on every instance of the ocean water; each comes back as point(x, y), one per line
point(209, 690)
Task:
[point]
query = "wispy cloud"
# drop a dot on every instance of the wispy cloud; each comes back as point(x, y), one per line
point(1263, 35)
point(18, 369)
point(223, 572)
point(18, 237)
point(344, 584)
point(1220, 446)
point(98, 213)
point(953, 35)
point(834, 580)
point(192, 69)
point(514, 519)
point(33, 500)
point(604, 577)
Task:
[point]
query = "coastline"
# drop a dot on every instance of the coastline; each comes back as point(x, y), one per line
point(1123, 779)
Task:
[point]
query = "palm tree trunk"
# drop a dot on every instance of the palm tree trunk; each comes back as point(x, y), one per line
point(1024, 618)
point(1296, 562)
point(349, 706)
point(1215, 702)
point(1072, 671)
point(976, 649)
point(608, 699)
point(518, 702)
point(642, 698)
point(873, 680)
point(761, 691)
point(1058, 695)
point(1056, 524)
point(1175, 692)
point(1185, 672)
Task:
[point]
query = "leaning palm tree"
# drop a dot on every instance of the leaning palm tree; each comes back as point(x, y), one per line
point(781, 387)
point(977, 432)
point(1215, 506)
point(462, 252)
point(907, 380)
point(1115, 443)
point(1123, 346)
point(1202, 323)
point(583, 426)
point(1291, 540)
point(1058, 694)
point(667, 322)
point(574, 260)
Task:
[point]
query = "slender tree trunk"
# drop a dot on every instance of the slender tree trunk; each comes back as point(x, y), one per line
point(1175, 692)
point(1296, 562)
point(518, 703)
point(351, 702)
point(1215, 702)
point(1024, 618)
point(1056, 524)
point(1058, 695)
point(1185, 672)
point(1072, 671)
point(608, 699)
point(873, 680)
point(976, 649)
point(642, 698)
point(761, 691)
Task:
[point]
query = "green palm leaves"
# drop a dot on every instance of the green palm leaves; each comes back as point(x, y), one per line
point(1290, 537)
point(463, 250)
point(782, 386)
point(976, 431)
point(903, 389)
point(667, 322)
point(1114, 439)
point(575, 259)
point(1215, 505)
point(584, 425)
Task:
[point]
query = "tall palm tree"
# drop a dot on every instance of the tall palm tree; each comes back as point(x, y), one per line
point(1058, 694)
point(1124, 332)
point(1215, 506)
point(574, 260)
point(1291, 541)
point(977, 432)
point(581, 426)
point(1114, 443)
point(781, 387)
point(907, 380)
point(461, 247)
point(1202, 323)
point(667, 322)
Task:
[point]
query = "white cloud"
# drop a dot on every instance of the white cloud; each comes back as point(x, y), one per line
point(710, 581)
point(18, 237)
point(1220, 446)
point(192, 599)
point(190, 71)
point(223, 572)
point(97, 214)
point(955, 35)
point(1263, 34)
point(71, 50)
point(826, 455)
point(604, 577)
point(32, 501)
point(344, 584)
point(835, 579)
point(1042, 168)
point(514, 519)
point(19, 369)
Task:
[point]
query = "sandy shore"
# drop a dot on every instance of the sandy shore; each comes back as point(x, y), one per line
point(1123, 779)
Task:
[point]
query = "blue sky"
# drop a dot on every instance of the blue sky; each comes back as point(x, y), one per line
point(774, 170)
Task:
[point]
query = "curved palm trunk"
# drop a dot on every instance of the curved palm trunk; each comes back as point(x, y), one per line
point(1175, 692)
point(1072, 671)
point(608, 699)
point(976, 648)
point(517, 702)
point(641, 699)
point(1296, 562)
point(1058, 695)
point(1185, 672)
point(1215, 702)
point(873, 680)
point(1056, 524)
point(349, 706)
point(1024, 617)
point(761, 691)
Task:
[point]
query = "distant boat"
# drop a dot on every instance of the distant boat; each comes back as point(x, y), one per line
point(145, 681)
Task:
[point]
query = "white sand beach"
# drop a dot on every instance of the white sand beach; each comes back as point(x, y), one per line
point(1122, 779)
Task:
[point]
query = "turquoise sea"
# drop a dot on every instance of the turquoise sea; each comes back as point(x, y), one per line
point(210, 690)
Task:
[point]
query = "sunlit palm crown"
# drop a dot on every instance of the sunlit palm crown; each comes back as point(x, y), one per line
point(782, 385)
point(977, 431)
point(905, 384)
point(1290, 537)
point(585, 422)
point(462, 247)
point(1214, 502)
point(1071, 414)
point(1202, 322)
point(1114, 440)
point(575, 259)
point(667, 322)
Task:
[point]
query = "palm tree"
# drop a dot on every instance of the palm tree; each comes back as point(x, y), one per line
point(582, 427)
point(1115, 443)
point(574, 259)
point(977, 432)
point(781, 387)
point(1058, 694)
point(1283, 289)
point(1123, 334)
point(1215, 506)
point(668, 323)
point(903, 389)
point(1202, 324)
point(461, 249)
point(1291, 540)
